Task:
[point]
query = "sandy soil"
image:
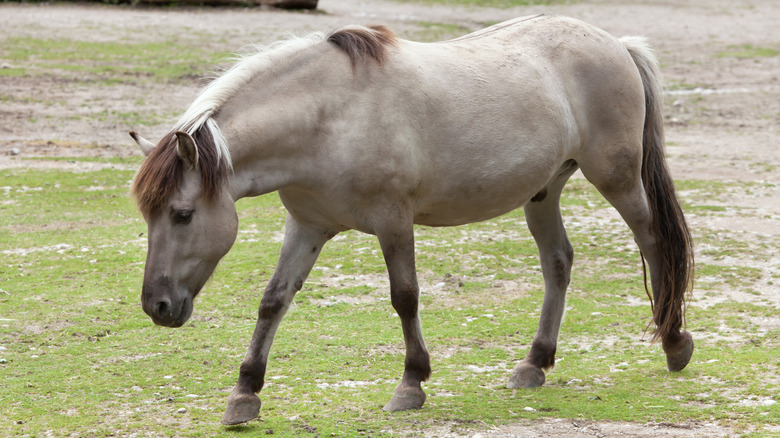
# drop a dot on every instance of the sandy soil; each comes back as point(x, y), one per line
point(723, 112)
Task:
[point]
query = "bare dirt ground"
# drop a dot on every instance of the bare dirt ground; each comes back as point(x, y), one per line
point(722, 105)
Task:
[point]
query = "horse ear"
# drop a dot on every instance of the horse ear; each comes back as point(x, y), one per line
point(187, 150)
point(145, 145)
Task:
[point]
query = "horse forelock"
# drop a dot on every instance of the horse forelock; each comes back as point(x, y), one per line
point(160, 175)
point(360, 42)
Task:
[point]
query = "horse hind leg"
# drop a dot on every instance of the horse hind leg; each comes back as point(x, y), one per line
point(648, 204)
point(556, 254)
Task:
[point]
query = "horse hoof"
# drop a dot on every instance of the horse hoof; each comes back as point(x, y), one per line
point(679, 353)
point(526, 375)
point(406, 399)
point(241, 408)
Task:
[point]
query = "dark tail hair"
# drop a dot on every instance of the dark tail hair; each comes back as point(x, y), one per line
point(672, 237)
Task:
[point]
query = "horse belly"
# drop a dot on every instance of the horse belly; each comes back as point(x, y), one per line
point(446, 215)
point(476, 198)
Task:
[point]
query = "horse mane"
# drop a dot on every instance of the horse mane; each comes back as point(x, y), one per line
point(160, 174)
point(360, 43)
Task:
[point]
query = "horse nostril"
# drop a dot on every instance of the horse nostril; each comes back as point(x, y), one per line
point(162, 308)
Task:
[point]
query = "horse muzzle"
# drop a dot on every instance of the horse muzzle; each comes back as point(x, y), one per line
point(166, 305)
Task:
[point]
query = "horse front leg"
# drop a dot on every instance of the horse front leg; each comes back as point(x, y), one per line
point(300, 249)
point(556, 255)
point(398, 250)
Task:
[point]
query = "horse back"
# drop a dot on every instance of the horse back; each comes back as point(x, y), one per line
point(488, 119)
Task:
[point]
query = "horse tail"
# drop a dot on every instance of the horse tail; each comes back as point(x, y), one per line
point(668, 227)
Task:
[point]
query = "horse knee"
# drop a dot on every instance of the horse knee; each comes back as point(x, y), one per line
point(566, 254)
point(405, 301)
point(276, 299)
point(557, 267)
point(270, 307)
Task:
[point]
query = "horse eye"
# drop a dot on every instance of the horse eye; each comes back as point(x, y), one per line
point(182, 216)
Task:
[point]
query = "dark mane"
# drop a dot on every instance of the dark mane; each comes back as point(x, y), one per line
point(360, 42)
point(160, 174)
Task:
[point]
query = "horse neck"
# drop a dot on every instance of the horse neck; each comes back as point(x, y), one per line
point(274, 125)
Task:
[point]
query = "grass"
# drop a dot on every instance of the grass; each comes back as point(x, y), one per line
point(80, 357)
point(749, 51)
point(431, 31)
point(110, 62)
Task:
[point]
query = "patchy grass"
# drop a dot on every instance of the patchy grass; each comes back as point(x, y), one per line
point(80, 357)
point(749, 51)
point(431, 31)
point(110, 62)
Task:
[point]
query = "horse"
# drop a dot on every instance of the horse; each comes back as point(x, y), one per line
point(361, 130)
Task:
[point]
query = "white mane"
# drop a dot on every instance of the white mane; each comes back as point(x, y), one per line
point(225, 86)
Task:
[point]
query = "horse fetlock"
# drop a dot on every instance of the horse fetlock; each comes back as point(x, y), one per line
point(679, 350)
point(526, 375)
point(541, 355)
point(406, 396)
point(241, 407)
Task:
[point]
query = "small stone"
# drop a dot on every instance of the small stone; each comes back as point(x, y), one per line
point(14, 151)
point(529, 409)
point(182, 410)
point(2, 360)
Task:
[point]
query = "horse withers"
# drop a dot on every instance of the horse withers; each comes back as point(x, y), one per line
point(359, 129)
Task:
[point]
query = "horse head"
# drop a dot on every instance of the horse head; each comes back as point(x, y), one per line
point(191, 218)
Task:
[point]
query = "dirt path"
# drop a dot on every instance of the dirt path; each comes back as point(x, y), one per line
point(722, 103)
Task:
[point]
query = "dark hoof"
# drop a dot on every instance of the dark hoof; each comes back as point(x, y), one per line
point(241, 408)
point(526, 375)
point(405, 398)
point(678, 351)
